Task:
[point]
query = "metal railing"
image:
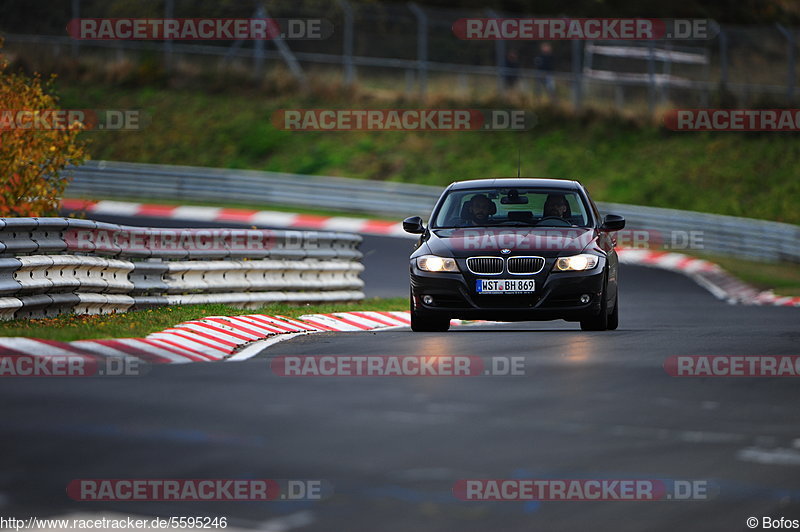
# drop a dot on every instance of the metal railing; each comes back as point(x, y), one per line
point(50, 266)
point(723, 235)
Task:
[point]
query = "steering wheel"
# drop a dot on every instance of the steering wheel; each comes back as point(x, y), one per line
point(562, 220)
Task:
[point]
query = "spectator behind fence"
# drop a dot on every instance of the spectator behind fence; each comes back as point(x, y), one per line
point(544, 63)
point(511, 73)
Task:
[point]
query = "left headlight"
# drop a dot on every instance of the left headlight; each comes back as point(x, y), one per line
point(576, 263)
point(432, 263)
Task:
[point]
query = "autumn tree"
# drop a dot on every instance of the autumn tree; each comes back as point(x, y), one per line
point(32, 157)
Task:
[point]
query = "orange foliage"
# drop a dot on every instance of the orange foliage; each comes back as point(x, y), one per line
point(32, 160)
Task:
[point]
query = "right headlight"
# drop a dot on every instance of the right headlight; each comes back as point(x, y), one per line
point(576, 263)
point(433, 263)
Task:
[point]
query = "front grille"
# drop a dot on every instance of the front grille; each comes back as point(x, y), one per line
point(525, 265)
point(485, 265)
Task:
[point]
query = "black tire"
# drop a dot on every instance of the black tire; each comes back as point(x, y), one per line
point(613, 318)
point(428, 322)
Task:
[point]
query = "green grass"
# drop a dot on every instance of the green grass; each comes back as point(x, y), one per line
point(136, 324)
point(783, 278)
point(620, 160)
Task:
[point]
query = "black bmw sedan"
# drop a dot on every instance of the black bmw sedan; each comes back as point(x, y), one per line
point(514, 249)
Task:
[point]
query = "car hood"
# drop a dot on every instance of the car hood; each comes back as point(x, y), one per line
point(541, 241)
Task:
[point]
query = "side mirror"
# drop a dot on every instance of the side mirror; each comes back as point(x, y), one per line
point(413, 225)
point(612, 222)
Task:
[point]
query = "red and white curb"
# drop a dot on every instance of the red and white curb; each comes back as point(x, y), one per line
point(209, 339)
point(286, 220)
point(710, 276)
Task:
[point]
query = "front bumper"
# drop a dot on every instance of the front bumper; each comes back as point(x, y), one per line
point(557, 295)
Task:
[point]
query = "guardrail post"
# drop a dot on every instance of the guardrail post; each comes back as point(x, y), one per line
point(348, 38)
point(422, 47)
point(791, 48)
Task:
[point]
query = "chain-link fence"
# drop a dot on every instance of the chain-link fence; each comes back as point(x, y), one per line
point(412, 48)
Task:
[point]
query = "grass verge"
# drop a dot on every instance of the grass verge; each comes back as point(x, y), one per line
point(140, 323)
point(782, 277)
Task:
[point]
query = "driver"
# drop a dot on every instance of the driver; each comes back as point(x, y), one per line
point(480, 208)
point(556, 205)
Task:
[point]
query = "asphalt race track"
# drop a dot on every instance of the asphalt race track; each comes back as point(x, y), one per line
point(591, 405)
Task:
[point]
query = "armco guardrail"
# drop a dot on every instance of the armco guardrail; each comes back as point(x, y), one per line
point(107, 179)
point(50, 266)
point(724, 235)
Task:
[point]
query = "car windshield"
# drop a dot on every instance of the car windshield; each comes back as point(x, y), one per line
point(489, 207)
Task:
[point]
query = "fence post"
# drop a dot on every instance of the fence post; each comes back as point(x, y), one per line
point(723, 58)
point(409, 82)
point(169, 12)
point(499, 57)
point(76, 13)
point(791, 45)
point(286, 53)
point(651, 77)
point(705, 97)
point(422, 47)
point(348, 36)
point(666, 70)
point(258, 48)
point(577, 76)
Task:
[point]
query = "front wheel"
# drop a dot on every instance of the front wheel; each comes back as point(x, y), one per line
point(613, 318)
point(425, 322)
point(599, 321)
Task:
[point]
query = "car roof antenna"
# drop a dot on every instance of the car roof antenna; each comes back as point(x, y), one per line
point(519, 159)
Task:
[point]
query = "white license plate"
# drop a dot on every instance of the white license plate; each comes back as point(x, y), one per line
point(504, 286)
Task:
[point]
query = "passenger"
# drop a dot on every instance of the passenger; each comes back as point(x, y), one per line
point(556, 205)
